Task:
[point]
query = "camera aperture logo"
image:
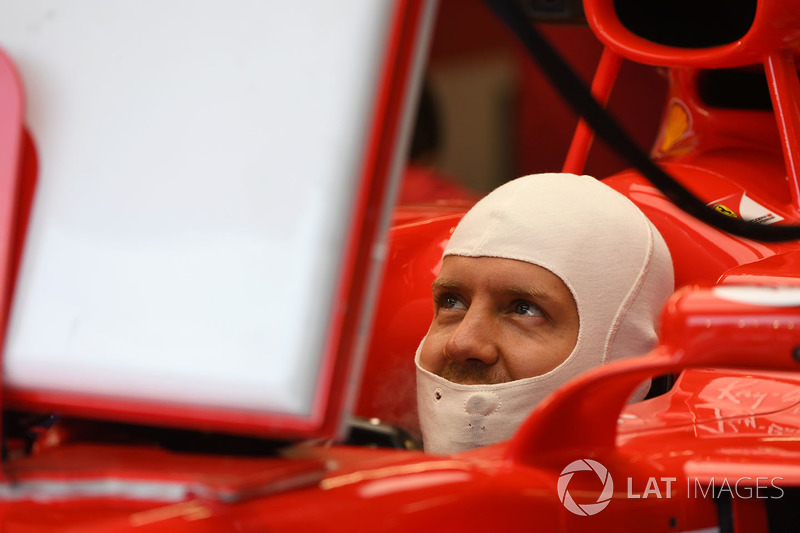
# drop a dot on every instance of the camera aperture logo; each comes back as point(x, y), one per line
point(586, 509)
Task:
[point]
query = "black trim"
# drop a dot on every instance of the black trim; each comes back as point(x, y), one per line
point(580, 99)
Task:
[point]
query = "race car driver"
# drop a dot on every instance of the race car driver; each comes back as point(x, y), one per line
point(546, 277)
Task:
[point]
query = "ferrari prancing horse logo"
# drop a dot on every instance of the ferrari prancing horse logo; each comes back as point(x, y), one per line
point(725, 210)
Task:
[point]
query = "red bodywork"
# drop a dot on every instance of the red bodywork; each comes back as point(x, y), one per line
point(732, 414)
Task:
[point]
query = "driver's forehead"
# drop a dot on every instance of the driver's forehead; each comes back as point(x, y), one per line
point(500, 276)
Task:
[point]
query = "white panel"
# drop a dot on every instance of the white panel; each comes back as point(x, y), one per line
point(197, 166)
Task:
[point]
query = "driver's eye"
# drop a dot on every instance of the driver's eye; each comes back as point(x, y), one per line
point(527, 309)
point(448, 301)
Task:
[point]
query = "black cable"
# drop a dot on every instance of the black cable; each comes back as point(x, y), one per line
point(580, 99)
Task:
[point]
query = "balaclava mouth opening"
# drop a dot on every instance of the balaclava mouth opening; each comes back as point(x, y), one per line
point(608, 254)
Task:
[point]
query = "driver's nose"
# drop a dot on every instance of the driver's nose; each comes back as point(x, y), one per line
point(473, 339)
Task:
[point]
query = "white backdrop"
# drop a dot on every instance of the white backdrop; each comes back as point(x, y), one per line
point(197, 164)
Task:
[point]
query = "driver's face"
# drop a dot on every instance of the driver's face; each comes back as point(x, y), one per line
point(498, 320)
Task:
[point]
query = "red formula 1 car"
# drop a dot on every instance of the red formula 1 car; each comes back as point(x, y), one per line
point(199, 286)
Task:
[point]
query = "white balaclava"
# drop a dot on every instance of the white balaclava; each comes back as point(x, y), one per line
point(606, 252)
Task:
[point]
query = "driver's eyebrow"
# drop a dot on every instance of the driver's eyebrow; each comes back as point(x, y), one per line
point(531, 293)
point(443, 284)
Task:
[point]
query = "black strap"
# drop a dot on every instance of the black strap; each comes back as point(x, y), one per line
point(580, 99)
